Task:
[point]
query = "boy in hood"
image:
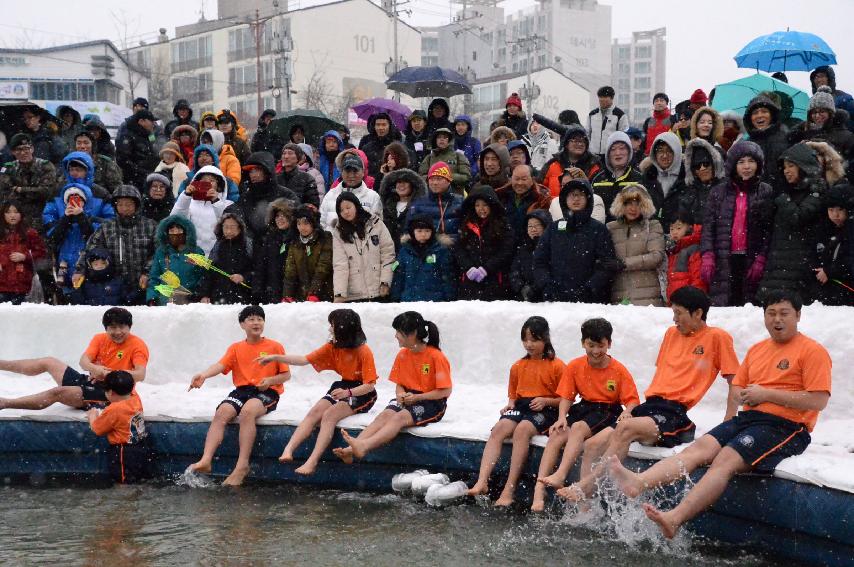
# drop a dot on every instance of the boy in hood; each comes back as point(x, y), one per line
point(494, 166)
point(183, 114)
point(466, 143)
point(101, 284)
point(618, 171)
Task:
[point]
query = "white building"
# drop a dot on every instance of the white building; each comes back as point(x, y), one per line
point(326, 57)
point(639, 71)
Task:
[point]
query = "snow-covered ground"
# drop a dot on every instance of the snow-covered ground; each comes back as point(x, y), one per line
point(481, 341)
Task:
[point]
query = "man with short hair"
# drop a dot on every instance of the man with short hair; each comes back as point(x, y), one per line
point(381, 132)
point(29, 180)
point(298, 181)
point(135, 151)
point(352, 180)
point(763, 124)
point(521, 196)
point(661, 120)
point(604, 121)
point(416, 138)
point(183, 113)
point(782, 385)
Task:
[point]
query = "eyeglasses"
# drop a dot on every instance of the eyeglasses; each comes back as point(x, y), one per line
point(702, 164)
point(22, 147)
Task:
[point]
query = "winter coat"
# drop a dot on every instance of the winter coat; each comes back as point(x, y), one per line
point(457, 162)
point(266, 140)
point(433, 123)
point(503, 176)
point(718, 219)
point(47, 145)
point(270, 253)
point(667, 207)
point(468, 144)
point(229, 160)
point(541, 147)
point(489, 246)
point(256, 197)
point(204, 215)
point(187, 150)
point(842, 99)
point(233, 257)
point(374, 145)
point(835, 132)
point(835, 255)
point(552, 170)
point(167, 258)
point(318, 179)
point(302, 184)
point(658, 123)
point(683, 265)
point(64, 177)
point(37, 181)
point(517, 209)
point(135, 153)
point(606, 185)
point(233, 192)
point(101, 287)
point(603, 123)
point(107, 173)
point(17, 277)
point(773, 140)
point(172, 124)
point(157, 210)
point(424, 273)
point(177, 172)
point(694, 194)
point(369, 199)
point(395, 220)
point(522, 283)
point(67, 133)
point(798, 210)
point(104, 144)
point(238, 145)
point(360, 267)
point(67, 235)
point(326, 162)
point(308, 268)
point(574, 260)
point(443, 208)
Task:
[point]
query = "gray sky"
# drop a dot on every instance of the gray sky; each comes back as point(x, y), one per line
point(702, 37)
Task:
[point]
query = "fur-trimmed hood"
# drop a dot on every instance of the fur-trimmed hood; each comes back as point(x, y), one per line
point(194, 135)
point(717, 160)
point(339, 159)
point(735, 117)
point(419, 186)
point(717, 122)
point(280, 205)
point(834, 166)
point(742, 149)
point(634, 191)
point(401, 156)
point(501, 131)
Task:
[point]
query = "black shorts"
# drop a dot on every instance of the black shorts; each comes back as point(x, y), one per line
point(597, 415)
point(674, 427)
point(541, 420)
point(424, 412)
point(242, 394)
point(93, 392)
point(359, 404)
point(132, 463)
point(762, 439)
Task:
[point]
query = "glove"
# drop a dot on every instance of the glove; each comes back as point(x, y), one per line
point(707, 267)
point(478, 275)
point(528, 294)
point(472, 273)
point(287, 300)
point(483, 273)
point(312, 298)
point(757, 268)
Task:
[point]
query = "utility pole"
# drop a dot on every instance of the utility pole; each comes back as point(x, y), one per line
point(391, 7)
point(257, 26)
point(284, 45)
point(529, 44)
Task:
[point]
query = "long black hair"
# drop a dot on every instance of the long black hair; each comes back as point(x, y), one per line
point(348, 230)
point(539, 329)
point(410, 322)
point(346, 328)
point(21, 227)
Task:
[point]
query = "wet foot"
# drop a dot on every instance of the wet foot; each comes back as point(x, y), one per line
point(201, 467)
point(505, 500)
point(553, 480)
point(478, 488)
point(355, 446)
point(665, 524)
point(572, 493)
point(287, 457)
point(236, 477)
point(538, 505)
point(307, 469)
point(344, 453)
point(627, 481)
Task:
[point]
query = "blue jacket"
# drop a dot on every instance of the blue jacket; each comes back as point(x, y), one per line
point(444, 209)
point(470, 145)
point(168, 258)
point(575, 258)
point(424, 278)
point(68, 235)
point(90, 168)
point(100, 288)
point(325, 162)
point(233, 193)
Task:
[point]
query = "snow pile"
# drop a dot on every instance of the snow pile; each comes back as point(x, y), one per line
point(481, 341)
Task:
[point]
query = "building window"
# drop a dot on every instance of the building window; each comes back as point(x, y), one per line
point(643, 83)
point(643, 67)
point(430, 44)
point(643, 51)
point(624, 69)
point(624, 84)
point(643, 98)
point(241, 80)
point(241, 42)
point(195, 88)
point(142, 59)
point(192, 54)
point(429, 60)
point(640, 115)
point(624, 52)
point(62, 91)
point(246, 110)
point(623, 99)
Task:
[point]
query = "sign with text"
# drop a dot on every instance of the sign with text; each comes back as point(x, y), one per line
point(14, 89)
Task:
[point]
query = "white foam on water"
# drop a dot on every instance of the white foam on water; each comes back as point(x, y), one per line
point(192, 479)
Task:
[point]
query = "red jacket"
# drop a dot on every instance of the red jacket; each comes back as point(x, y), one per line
point(17, 277)
point(683, 264)
point(656, 124)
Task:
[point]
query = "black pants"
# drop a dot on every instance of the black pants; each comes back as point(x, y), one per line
point(737, 278)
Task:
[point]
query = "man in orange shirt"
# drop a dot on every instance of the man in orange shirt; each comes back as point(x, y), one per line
point(690, 358)
point(115, 349)
point(782, 385)
point(256, 393)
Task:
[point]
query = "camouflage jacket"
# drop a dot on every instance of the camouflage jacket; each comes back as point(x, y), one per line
point(131, 243)
point(36, 182)
point(108, 174)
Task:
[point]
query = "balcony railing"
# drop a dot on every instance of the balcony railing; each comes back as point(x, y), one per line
point(190, 64)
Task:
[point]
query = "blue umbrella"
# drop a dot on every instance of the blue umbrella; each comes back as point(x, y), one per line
point(736, 95)
point(786, 51)
point(420, 82)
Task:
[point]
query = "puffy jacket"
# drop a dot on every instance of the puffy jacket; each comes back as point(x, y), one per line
point(468, 144)
point(17, 277)
point(135, 153)
point(157, 209)
point(270, 253)
point(229, 162)
point(443, 208)
point(374, 145)
point(424, 273)
point(394, 220)
point(835, 255)
point(256, 199)
point(233, 257)
point(517, 209)
point(606, 183)
point(326, 160)
point(233, 192)
point(308, 268)
point(100, 287)
point(204, 215)
point(456, 160)
point(522, 282)
point(695, 193)
point(361, 266)
point(65, 178)
point(302, 184)
point(574, 260)
point(640, 245)
point(773, 140)
point(683, 264)
point(37, 182)
point(168, 258)
point(601, 124)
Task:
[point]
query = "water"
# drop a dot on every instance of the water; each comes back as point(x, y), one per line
point(292, 525)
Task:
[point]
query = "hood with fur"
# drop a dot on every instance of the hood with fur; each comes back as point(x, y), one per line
point(735, 117)
point(834, 166)
point(717, 160)
point(717, 122)
point(339, 159)
point(501, 132)
point(419, 186)
point(194, 135)
point(398, 150)
point(635, 191)
point(280, 205)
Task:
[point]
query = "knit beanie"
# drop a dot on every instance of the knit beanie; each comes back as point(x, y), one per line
point(440, 169)
point(514, 100)
point(822, 99)
point(699, 97)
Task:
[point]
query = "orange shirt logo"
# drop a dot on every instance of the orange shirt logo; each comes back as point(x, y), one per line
point(425, 369)
point(699, 350)
point(783, 364)
point(120, 355)
point(262, 353)
point(611, 385)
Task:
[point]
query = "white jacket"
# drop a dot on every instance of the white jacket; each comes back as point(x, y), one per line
point(598, 213)
point(361, 266)
point(177, 172)
point(369, 199)
point(599, 128)
point(203, 214)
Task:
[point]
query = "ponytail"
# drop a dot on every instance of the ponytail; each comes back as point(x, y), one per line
point(410, 322)
point(539, 329)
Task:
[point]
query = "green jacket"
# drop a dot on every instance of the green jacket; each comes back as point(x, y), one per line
point(308, 269)
point(456, 160)
point(108, 174)
point(37, 183)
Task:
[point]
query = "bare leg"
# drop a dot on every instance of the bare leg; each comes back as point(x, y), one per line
point(330, 419)
point(68, 395)
point(727, 464)
point(547, 464)
point(521, 445)
point(224, 414)
point(304, 429)
point(491, 453)
point(361, 446)
point(35, 366)
point(252, 410)
point(699, 453)
point(574, 443)
point(346, 453)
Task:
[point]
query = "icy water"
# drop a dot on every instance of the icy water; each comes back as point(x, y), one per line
point(291, 525)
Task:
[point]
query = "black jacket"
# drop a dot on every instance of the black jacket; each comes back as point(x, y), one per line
point(522, 282)
point(233, 257)
point(256, 198)
point(135, 154)
point(302, 184)
point(374, 145)
point(269, 255)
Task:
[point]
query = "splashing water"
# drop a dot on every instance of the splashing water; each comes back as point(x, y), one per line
point(192, 479)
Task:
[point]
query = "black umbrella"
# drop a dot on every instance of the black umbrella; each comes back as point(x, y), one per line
point(314, 123)
point(420, 82)
point(12, 116)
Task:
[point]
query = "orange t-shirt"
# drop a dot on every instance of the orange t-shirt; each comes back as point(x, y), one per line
point(132, 353)
point(796, 366)
point(534, 378)
point(354, 364)
point(608, 385)
point(122, 422)
point(687, 366)
point(240, 357)
point(423, 371)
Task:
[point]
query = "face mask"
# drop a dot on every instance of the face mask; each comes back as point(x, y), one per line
point(176, 240)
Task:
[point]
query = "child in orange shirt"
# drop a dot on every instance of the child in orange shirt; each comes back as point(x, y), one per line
point(348, 355)
point(531, 408)
point(123, 423)
point(115, 349)
point(256, 393)
point(423, 378)
point(603, 384)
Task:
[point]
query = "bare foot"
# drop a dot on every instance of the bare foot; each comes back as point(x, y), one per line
point(478, 488)
point(554, 480)
point(539, 504)
point(344, 453)
point(355, 446)
point(287, 457)
point(201, 467)
point(505, 500)
point(572, 493)
point(627, 481)
point(236, 477)
point(307, 468)
point(667, 526)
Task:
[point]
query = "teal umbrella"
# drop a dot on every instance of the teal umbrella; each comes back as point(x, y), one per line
point(736, 95)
